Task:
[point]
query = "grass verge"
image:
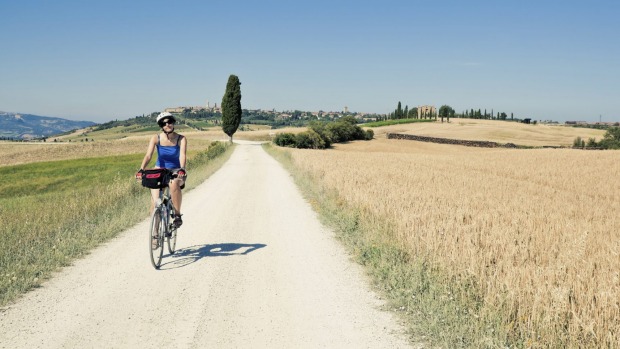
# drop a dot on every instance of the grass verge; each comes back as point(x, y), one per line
point(55, 212)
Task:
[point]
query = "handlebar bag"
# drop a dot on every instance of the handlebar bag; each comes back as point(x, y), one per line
point(157, 178)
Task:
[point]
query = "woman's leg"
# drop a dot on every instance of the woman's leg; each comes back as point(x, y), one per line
point(154, 197)
point(177, 194)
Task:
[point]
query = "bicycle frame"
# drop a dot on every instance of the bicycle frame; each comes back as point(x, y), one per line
point(162, 227)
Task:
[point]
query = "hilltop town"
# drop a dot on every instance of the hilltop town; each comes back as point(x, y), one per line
point(278, 115)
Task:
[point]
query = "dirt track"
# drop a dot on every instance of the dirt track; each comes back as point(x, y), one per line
point(255, 269)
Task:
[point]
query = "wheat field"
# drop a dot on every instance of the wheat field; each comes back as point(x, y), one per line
point(536, 230)
point(15, 153)
point(538, 135)
point(112, 142)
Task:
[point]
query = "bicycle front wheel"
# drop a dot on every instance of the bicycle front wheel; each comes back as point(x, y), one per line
point(171, 234)
point(172, 239)
point(156, 237)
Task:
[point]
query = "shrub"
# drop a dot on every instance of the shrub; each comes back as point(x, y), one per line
point(321, 135)
point(592, 143)
point(611, 140)
point(285, 140)
point(341, 131)
point(309, 140)
point(321, 129)
point(216, 149)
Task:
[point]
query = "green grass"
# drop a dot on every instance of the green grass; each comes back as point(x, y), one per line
point(57, 211)
point(395, 122)
point(119, 132)
point(201, 124)
point(63, 176)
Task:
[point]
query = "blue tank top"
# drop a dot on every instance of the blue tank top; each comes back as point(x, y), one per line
point(169, 156)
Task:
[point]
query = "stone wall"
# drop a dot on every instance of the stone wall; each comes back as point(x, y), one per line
point(483, 144)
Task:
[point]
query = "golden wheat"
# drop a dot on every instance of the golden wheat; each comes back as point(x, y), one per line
point(496, 131)
point(15, 153)
point(538, 230)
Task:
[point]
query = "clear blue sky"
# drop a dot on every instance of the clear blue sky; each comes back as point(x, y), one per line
point(105, 60)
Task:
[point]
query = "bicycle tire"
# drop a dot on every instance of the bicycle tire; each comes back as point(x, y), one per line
point(157, 230)
point(171, 235)
point(172, 240)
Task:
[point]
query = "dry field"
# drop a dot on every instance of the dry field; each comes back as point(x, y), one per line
point(496, 131)
point(538, 231)
point(14, 153)
point(114, 143)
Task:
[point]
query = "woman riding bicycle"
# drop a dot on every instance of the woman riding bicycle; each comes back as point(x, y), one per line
point(171, 149)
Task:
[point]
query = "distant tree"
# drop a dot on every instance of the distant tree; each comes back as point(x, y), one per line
point(231, 106)
point(445, 111)
point(399, 112)
point(611, 140)
point(406, 113)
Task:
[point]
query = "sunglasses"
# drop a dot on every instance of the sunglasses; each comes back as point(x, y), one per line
point(167, 122)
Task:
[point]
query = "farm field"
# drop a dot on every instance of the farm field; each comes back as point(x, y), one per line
point(55, 211)
point(114, 142)
point(503, 247)
point(496, 131)
point(515, 247)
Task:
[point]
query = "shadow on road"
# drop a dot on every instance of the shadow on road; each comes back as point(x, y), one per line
point(192, 254)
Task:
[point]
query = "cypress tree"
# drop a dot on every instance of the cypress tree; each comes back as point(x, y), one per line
point(231, 106)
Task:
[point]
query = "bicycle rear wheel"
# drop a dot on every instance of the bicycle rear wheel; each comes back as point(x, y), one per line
point(156, 237)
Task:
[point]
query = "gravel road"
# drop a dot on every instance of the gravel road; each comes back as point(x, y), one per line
point(254, 269)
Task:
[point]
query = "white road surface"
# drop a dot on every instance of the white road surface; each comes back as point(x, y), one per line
point(254, 269)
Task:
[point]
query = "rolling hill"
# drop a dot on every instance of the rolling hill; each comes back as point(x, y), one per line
point(28, 126)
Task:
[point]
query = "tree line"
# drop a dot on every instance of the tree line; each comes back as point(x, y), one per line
point(611, 140)
point(445, 111)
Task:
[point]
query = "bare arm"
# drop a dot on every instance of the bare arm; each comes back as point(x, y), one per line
point(149, 152)
point(182, 157)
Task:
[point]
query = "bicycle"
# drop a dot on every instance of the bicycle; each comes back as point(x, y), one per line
point(162, 229)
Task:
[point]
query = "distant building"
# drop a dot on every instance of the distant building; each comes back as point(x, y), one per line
point(426, 110)
point(178, 110)
point(175, 110)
